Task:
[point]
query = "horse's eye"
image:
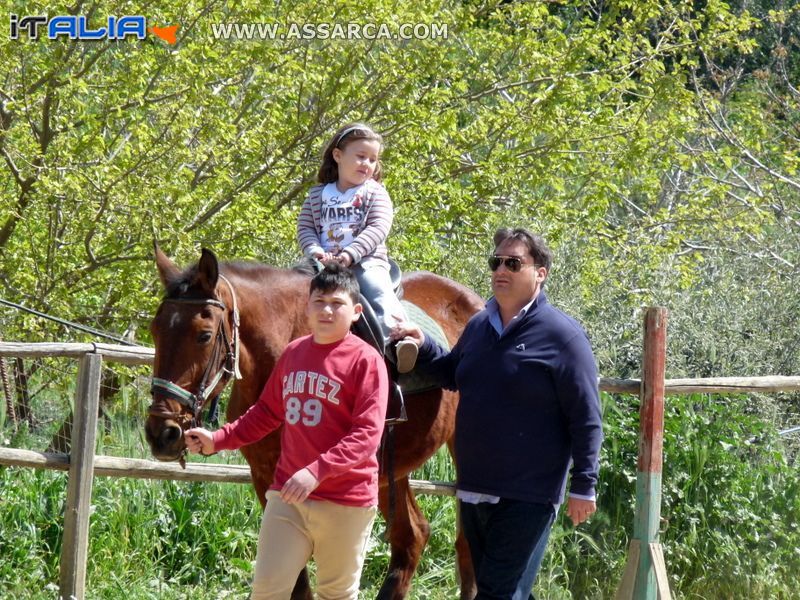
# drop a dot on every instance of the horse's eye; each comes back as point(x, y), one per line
point(204, 337)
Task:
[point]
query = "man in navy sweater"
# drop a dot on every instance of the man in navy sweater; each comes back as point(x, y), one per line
point(528, 411)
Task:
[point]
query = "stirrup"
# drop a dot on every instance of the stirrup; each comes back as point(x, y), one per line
point(396, 395)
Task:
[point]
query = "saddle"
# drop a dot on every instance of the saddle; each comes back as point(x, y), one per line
point(368, 328)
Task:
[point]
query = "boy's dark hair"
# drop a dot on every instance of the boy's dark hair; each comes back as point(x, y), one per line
point(537, 248)
point(329, 171)
point(334, 277)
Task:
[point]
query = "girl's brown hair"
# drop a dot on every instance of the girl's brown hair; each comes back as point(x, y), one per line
point(329, 171)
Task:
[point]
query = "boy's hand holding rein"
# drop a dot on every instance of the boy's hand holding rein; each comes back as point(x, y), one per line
point(199, 441)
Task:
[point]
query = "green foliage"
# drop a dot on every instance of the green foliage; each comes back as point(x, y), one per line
point(577, 120)
point(732, 495)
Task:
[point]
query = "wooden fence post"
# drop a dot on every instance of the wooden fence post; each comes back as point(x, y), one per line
point(81, 475)
point(645, 576)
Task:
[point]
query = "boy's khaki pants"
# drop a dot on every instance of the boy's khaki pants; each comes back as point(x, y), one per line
point(335, 535)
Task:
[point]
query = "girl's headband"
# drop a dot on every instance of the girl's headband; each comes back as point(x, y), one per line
point(347, 131)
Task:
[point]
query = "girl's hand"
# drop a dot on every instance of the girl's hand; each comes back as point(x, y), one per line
point(328, 257)
point(345, 259)
point(199, 441)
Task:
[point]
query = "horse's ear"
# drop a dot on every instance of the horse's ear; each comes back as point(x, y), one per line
point(167, 270)
point(208, 270)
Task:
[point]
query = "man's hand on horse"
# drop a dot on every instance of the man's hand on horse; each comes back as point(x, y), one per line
point(199, 441)
point(298, 487)
point(406, 329)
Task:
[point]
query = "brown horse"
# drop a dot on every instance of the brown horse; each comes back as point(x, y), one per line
point(199, 347)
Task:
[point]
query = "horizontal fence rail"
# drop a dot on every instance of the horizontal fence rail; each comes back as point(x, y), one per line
point(142, 355)
point(112, 466)
point(128, 355)
point(707, 385)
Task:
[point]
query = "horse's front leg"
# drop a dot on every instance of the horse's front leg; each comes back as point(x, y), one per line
point(466, 570)
point(408, 533)
point(302, 589)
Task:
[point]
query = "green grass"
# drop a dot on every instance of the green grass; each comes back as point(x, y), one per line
point(730, 518)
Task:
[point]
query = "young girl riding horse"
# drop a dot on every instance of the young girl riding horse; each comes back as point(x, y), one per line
point(346, 218)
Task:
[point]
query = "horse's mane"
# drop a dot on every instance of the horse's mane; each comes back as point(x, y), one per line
point(179, 285)
point(306, 266)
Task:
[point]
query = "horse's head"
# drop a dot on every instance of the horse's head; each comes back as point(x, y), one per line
point(195, 332)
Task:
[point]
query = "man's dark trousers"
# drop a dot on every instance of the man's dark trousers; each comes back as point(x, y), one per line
point(507, 542)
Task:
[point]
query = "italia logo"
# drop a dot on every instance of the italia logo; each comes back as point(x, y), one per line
point(78, 28)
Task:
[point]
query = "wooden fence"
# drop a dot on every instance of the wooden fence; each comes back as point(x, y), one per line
point(645, 574)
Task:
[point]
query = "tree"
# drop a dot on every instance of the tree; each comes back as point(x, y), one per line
point(581, 120)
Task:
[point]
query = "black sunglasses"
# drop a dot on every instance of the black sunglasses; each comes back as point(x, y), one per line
point(512, 263)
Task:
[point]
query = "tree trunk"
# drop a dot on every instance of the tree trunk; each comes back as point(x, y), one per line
point(23, 395)
point(109, 386)
point(10, 410)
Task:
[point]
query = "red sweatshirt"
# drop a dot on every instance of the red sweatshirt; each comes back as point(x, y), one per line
point(331, 401)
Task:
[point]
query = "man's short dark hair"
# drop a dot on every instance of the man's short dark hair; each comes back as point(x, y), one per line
point(334, 277)
point(537, 248)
